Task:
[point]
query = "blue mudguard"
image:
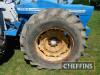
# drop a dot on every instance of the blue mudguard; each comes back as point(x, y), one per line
point(84, 12)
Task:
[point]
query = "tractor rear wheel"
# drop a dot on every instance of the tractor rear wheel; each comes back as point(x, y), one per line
point(2, 38)
point(51, 37)
point(2, 44)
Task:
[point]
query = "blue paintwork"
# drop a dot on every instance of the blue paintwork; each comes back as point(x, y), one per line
point(10, 32)
point(26, 7)
point(30, 1)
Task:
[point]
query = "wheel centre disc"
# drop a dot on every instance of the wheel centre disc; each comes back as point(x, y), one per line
point(53, 41)
point(53, 45)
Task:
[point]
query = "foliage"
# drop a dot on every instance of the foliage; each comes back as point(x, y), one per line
point(86, 2)
point(81, 2)
point(95, 2)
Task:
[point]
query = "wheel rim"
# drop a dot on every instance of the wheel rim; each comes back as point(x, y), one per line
point(54, 45)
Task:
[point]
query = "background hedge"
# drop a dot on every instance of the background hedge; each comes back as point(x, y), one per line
point(86, 2)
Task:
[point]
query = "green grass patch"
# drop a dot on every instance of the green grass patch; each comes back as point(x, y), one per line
point(17, 66)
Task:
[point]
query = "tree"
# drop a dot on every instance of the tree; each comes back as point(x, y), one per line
point(86, 2)
point(95, 2)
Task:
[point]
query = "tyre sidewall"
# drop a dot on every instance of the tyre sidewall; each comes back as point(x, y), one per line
point(37, 29)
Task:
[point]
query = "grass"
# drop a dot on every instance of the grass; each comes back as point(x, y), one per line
point(17, 66)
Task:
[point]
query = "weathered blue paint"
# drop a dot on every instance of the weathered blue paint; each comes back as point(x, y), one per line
point(26, 8)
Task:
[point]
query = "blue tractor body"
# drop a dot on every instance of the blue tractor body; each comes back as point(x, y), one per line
point(26, 8)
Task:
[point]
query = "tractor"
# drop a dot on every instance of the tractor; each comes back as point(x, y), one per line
point(49, 32)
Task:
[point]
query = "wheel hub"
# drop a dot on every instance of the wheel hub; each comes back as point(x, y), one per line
point(53, 42)
point(53, 45)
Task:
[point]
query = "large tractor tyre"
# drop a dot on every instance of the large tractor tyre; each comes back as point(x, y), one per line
point(2, 38)
point(1, 44)
point(51, 37)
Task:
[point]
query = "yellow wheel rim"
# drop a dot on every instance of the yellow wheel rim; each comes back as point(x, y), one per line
point(54, 45)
